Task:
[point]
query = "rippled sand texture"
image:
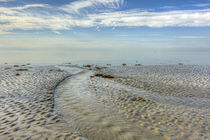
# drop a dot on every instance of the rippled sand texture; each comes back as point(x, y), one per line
point(172, 101)
point(82, 109)
point(26, 104)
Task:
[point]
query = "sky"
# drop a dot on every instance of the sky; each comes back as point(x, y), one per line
point(103, 29)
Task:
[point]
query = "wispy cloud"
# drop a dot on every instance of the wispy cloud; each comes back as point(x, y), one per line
point(168, 7)
point(77, 14)
point(202, 5)
point(153, 19)
point(18, 10)
point(84, 6)
point(30, 6)
point(192, 37)
point(6, 0)
point(56, 32)
point(2, 32)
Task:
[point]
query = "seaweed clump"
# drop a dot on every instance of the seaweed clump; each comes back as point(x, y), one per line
point(21, 69)
point(104, 76)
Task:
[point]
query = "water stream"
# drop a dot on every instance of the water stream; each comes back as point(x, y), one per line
point(83, 111)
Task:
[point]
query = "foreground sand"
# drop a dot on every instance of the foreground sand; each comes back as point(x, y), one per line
point(164, 102)
point(172, 101)
point(27, 102)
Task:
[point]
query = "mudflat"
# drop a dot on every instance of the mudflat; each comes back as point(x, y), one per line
point(104, 102)
point(27, 103)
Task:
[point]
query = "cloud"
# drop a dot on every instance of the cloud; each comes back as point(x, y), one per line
point(202, 5)
point(27, 18)
point(6, 0)
point(84, 6)
point(30, 6)
point(17, 10)
point(168, 7)
point(2, 32)
point(180, 18)
point(193, 37)
point(56, 32)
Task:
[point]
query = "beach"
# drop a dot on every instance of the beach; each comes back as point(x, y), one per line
point(27, 104)
point(104, 102)
point(171, 100)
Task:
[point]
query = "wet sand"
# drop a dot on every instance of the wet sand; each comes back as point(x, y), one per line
point(82, 108)
point(169, 100)
point(27, 104)
point(138, 102)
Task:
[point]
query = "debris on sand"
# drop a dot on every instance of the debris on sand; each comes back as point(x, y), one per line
point(104, 76)
point(139, 99)
point(7, 68)
point(21, 69)
point(138, 64)
point(88, 66)
point(60, 70)
point(99, 68)
point(17, 74)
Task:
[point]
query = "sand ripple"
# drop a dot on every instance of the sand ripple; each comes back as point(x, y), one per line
point(26, 104)
point(172, 101)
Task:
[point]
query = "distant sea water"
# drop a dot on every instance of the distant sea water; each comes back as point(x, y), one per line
point(114, 57)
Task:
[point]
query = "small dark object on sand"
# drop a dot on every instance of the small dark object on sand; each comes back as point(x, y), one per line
point(17, 74)
point(139, 99)
point(60, 70)
point(2, 97)
point(138, 64)
point(7, 68)
point(88, 66)
point(98, 68)
point(21, 69)
point(104, 76)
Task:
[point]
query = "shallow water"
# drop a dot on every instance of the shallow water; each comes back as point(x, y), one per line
point(122, 108)
point(93, 118)
point(114, 56)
